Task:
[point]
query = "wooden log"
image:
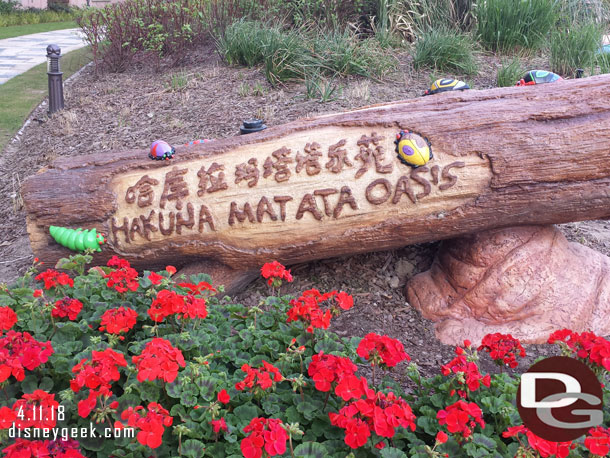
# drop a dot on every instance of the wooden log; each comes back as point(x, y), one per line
point(333, 185)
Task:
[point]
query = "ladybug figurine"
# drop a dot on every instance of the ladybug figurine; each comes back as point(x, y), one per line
point(538, 77)
point(161, 150)
point(412, 149)
point(446, 84)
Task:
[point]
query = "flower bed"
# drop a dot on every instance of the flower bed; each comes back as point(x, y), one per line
point(193, 375)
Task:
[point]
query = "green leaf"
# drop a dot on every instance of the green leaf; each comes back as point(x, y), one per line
point(207, 388)
point(272, 404)
point(192, 448)
point(246, 412)
point(484, 441)
point(149, 391)
point(173, 389)
point(310, 450)
point(391, 452)
point(310, 408)
point(46, 384)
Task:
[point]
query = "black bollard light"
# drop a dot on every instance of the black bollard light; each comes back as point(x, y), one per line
point(252, 125)
point(56, 87)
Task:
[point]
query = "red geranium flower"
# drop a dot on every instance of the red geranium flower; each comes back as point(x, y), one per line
point(118, 321)
point(151, 426)
point(36, 410)
point(159, 360)
point(461, 417)
point(502, 348)
point(543, 447)
point(598, 441)
point(8, 318)
point(155, 278)
point(264, 377)
point(124, 278)
point(382, 350)
point(266, 433)
point(274, 273)
point(20, 351)
point(219, 425)
point(52, 278)
point(67, 307)
point(223, 396)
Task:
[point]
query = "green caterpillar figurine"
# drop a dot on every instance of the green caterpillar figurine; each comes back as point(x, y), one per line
point(77, 239)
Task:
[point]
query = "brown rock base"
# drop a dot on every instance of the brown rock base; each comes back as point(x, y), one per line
point(527, 281)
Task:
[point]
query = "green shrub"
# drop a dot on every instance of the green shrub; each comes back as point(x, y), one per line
point(602, 63)
point(28, 17)
point(8, 6)
point(574, 48)
point(342, 53)
point(445, 50)
point(290, 54)
point(508, 24)
point(410, 18)
point(584, 11)
point(510, 73)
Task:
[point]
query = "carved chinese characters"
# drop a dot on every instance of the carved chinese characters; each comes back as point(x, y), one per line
point(282, 186)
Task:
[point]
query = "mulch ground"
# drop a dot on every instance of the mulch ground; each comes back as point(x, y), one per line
point(207, 99)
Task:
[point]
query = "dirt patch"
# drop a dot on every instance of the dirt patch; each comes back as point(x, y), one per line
point(207, 99)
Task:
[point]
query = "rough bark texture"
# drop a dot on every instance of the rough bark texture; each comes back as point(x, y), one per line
point(332, 185)
point(527, 281)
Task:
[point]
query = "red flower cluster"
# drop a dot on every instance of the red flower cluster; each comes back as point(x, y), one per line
point(328, 369)
point(52, 278)
point(502, 348)
point(264, 377)
point(461, 417)
point(8, 318)
point(307, 309)
point(19, 351)
point(468, 372)
point(378, 412)
point(171, 303)
point(219, 425)
point(97, 375)
point(7, 417)
point(36, 410)
point(67, 307)
point(274, 273)
point(124, 277)
point(382, 350)
point(543, 447)
point(151, 426)
point(223, 396)
point(598, 441)
point(159, 360)
point(267, 433)
point(199, 288)
point(60, 448)
point(588, 346)
point(155, 278)
point(117, 321)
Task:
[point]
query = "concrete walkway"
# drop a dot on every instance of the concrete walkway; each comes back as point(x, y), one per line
point(19, 54)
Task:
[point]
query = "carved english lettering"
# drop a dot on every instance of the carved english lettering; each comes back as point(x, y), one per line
point(136, 228)
point(147, 227)
point(345, 197)
point(205, 217)
point(415, 176)
point(308, 204)
point(264, 207)
point(448, 176)
point(325, 193)
point(435, 171)
point(387, 191)
point(116, 229)
point(240, 215)
point(188, 223)
point(172, 224)
point(403, 186)
point(282, 201)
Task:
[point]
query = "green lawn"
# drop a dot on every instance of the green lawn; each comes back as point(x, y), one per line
point(21, 94)
point(19, 30)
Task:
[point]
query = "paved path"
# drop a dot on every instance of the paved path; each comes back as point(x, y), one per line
point(22, 53)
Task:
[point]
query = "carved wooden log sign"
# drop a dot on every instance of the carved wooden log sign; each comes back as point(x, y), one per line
point(333, 185)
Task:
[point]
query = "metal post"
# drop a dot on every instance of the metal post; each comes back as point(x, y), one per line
point(56, 87)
